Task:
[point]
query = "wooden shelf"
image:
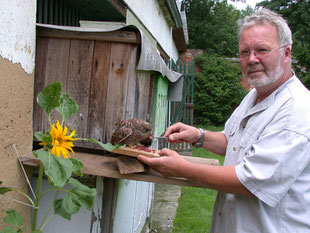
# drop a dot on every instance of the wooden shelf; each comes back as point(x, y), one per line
point(106, 166)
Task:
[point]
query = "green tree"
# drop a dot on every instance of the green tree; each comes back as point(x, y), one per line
point(217, 89)
point(212, 26)
point(297, 14)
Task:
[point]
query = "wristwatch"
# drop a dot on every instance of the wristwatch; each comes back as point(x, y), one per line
point(201, 140)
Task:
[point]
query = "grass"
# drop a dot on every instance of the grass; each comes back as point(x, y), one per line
point(195, 206)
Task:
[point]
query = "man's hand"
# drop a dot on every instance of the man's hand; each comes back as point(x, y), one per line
point(169, 164)
point(180, 132)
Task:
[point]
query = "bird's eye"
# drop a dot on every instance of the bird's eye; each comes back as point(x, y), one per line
point(145, 130)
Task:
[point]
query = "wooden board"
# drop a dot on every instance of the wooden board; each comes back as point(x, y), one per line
point(135, 152)
point(98, 94)
point(106, 165)
point(129, 165)
point(116, 36)
point(78, 83)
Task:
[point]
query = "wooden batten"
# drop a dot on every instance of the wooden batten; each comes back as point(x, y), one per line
point(115, 36)
point(106, 166)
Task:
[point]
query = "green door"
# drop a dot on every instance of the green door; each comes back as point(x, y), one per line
point(160, 104)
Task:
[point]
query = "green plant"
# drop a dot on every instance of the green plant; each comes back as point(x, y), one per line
point(56, 164)
point(218, 89)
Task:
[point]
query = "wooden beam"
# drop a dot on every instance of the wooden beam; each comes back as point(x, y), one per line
point(106, 166)
point(114, 36)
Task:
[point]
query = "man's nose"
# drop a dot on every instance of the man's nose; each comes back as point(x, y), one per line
point(252, 57)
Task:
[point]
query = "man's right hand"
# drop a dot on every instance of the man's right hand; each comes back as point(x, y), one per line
point(179, 132)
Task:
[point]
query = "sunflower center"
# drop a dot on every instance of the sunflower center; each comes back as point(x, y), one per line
point(58, 141)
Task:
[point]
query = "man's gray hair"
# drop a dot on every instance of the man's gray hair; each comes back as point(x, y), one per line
point(265, 16)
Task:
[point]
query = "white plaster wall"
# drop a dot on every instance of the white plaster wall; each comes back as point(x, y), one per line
point(17, 52)
point(17, 36)
point(150, 14)
point(80, 222)
point(133, 206)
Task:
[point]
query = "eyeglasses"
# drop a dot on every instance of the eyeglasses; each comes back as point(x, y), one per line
point(260, 53)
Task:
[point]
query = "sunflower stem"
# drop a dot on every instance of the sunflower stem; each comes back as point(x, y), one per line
point(25, 195)
point(35, 211)
point(48, 211)
point(49, 119)
point(49, 219)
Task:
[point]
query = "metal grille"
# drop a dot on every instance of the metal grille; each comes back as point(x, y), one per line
point(183, 111)
point(60, 12)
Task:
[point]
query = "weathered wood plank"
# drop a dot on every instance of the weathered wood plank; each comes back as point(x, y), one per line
point(108, 205)
point(131, 57)
point(98, 95)
point(127, 165)
point(57, 59)
point(40, 67)
point(106, 166)
point(135, 152)
point(114, 36)
point(78, 82)
point(143, 95)
point(117, 85)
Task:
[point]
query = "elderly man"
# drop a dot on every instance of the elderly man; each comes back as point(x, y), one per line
point(264, 185)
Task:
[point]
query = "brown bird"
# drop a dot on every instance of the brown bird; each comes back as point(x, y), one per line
point(132, 132)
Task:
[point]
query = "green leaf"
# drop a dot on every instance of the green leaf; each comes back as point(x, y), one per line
point(36, 231)
point(106, 146)
point(60, 210)
point(77, 166)
point(67, 106)
point(8, 229)
point(13, 218)
point(39, 135)
point(82, 194)
point(48, 98)
point(4, 190)
point(57, 169)
point(47, 138)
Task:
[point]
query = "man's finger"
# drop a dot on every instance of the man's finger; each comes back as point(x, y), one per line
point(144, 159)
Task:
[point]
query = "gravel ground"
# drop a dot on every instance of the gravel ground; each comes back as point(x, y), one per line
point(164, 208)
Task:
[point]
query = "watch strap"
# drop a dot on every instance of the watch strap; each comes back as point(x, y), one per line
point(199, 143)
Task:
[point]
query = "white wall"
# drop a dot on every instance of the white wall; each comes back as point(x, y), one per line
point(17, 37)
point(80, 222)
point(133, 206)
point(149, 12)
point(17, 52)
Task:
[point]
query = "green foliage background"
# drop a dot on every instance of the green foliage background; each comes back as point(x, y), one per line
point(217, 89)
point(212, 27)
point(297, 14)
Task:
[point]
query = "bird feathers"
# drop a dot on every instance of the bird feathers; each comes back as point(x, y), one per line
point(131, 132)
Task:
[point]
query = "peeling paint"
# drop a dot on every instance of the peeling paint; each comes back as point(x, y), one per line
point(97, 210)
point(17, 37)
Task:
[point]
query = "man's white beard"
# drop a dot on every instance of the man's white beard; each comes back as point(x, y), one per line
point(269, 77)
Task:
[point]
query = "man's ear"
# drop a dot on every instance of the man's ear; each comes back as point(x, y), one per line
point(287, 53)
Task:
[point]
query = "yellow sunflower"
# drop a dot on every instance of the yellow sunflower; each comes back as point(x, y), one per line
point(61, 143)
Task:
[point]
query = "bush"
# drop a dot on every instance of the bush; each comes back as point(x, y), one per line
point(301, 64)
point(218, 89)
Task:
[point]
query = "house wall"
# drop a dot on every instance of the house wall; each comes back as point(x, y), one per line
point(152, 17)
point(17, 52)
point(133, 206)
